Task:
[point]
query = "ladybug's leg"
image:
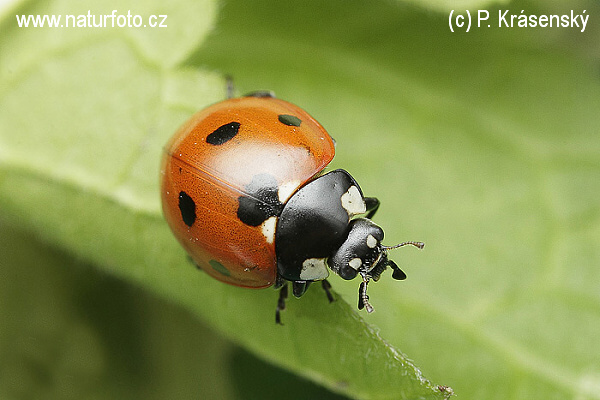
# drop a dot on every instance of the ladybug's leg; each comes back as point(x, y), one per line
point(261, 94)
point(372, 206)
point(327, 288)
point(283, 294)
point(363, 298)
point(230, 87)
point(397, 273)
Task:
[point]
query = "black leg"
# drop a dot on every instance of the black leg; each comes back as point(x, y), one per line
point(372, 206)
point(230, 86)
point(279, 281)
point(261, 93)
point(326, 287)
point(397, 273)
point(283, 294)
point(363, 298)
point(361, 304)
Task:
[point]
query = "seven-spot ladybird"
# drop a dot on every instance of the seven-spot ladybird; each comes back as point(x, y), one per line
point(245, 192)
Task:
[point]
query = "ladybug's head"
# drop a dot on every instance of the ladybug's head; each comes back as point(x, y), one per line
point(362, 253)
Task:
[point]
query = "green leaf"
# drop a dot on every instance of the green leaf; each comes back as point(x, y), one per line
point(71, 332)
point(485, 146)
point(482, 144)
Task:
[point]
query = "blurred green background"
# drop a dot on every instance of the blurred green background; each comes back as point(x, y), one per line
point(485, 145)
point(70, 332)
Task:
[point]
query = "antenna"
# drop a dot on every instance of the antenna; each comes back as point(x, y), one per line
point(419, 245)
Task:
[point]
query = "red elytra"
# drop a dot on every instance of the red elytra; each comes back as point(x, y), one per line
point(210, 163)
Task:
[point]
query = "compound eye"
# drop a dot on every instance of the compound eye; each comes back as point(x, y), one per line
point(347, 271)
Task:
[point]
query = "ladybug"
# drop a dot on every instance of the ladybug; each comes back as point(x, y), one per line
point(245, 192)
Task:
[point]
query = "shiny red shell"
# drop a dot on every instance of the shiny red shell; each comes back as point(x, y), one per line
point(215, 176)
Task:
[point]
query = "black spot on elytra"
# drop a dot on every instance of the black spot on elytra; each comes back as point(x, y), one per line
point(223, 134)
point(290, 120)
point(262, 201)
point(187, 208)
point(220, 268)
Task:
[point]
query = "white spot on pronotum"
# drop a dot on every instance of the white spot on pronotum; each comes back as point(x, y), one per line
point(371, 241)
point(268, 229)
point(355, 263)
point(286, 190)
point(314, 269)
point(353, 202)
